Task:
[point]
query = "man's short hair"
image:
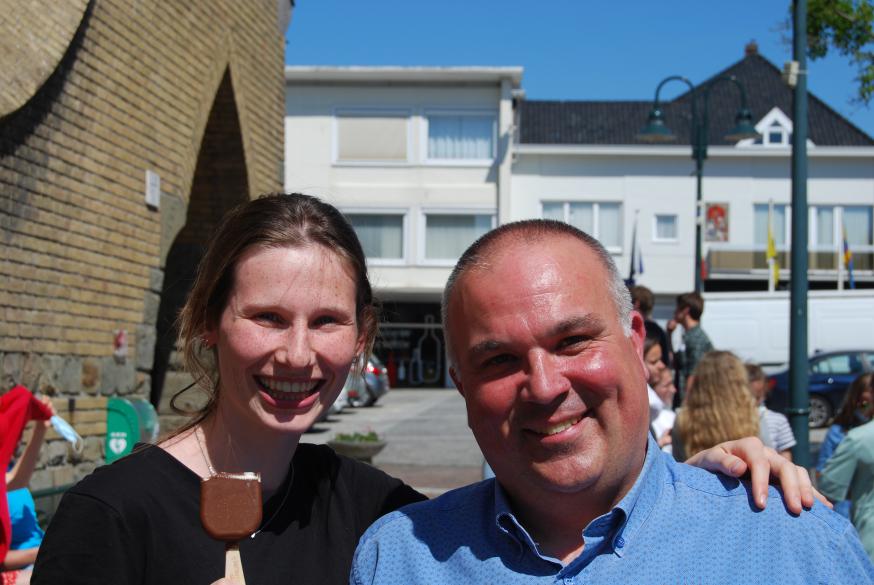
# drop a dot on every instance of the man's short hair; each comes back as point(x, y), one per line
point(533, 230)
point(643, 298)
point(692, 301)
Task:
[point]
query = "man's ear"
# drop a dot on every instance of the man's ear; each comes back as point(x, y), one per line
point(456, 379)
point(638, 335)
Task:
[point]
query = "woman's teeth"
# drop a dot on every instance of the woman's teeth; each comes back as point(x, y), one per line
point(285, 390)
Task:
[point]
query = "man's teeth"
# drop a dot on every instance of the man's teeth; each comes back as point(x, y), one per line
point(284, 387)
point(560, 426)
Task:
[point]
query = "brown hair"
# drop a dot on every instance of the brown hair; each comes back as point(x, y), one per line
point(692, 301)
point(846, 416)
point(719, 406)
point(644, 299)
point(755, 372)
point(272, 221)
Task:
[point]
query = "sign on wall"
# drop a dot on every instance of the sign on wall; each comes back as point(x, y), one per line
point(716, 222)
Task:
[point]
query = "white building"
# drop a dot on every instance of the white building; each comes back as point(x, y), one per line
point(417, 158)
point(424, 160)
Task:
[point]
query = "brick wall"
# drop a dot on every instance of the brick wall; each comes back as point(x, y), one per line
point(136, 89)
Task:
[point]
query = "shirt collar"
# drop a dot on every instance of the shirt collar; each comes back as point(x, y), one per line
point(624, 521)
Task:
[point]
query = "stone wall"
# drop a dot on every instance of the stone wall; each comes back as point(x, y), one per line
point(191, 91)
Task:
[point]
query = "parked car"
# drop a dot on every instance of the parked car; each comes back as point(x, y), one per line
point(341, 402)
point(373, 384)
point(829, 375)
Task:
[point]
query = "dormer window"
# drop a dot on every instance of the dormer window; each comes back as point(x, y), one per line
point(775, 129)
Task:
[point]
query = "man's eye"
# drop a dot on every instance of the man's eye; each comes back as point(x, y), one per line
point(572, 341)
point(498, 360)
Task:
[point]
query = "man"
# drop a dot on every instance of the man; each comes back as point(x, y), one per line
point(696, 343)
point(547, 354)
point(643, 302)
point(849, 473)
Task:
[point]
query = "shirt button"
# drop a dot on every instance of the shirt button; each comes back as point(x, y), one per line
point(568, 581)
point(620, 542)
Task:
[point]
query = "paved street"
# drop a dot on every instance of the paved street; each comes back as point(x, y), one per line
point(429, 444)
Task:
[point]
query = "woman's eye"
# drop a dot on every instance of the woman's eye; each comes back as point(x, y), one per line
point(268, 317)
point(324, 320)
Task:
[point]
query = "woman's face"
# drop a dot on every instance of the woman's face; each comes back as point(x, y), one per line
point(665, 388)
point(286, 338)
point(654, 363)
point(866, 401)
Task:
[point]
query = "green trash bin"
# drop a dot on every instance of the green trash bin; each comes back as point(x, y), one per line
point(128, 421)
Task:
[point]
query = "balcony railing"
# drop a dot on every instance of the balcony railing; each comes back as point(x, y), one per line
point(733, 260)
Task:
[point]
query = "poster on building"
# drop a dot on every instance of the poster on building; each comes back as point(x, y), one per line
point(716, 222)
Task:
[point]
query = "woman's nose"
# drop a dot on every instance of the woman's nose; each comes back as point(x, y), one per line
point(295, 349)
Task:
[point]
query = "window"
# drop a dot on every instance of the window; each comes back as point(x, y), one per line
point(447, 235)
point(665, 228)
point(780, 224)
point(858, 223)
point(381, 234)
point(371, 137)
point(602, 221)
point(775, 129)
point(461, 137)
point(842, 363)
point(825, 227)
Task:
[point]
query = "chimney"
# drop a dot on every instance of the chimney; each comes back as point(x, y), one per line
point(752, 48)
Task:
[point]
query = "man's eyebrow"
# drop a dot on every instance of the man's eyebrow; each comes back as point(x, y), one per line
point(487, 346)
point(582, 322)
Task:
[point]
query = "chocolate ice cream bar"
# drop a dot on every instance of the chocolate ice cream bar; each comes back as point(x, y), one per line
point(230, 505)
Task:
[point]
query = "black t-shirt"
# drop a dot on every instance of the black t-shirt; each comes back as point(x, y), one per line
point(137, 521)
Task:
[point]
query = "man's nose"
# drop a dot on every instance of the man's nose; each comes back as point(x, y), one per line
point(546, 381)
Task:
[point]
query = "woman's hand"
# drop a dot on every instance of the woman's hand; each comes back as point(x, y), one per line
point(735, 458)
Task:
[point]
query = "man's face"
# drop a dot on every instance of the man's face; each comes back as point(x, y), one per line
point(555, 391)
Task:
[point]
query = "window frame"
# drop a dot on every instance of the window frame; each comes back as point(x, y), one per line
point(427, 112)
point(655, 237)
point(787, 227)
point(372, 112)
point(422, 235)
point(596, 218)
point(404, 212)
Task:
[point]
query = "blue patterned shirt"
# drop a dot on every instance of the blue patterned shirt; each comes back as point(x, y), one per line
point(678, 524)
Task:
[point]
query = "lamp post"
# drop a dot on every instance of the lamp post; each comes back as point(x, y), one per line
point(657, 132)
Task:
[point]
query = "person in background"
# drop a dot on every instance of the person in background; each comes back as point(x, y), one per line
point(717, 407)
point(661, 415)
point(775, 429)
point(643, 302)
point(857, 408)
point(17, 407)
point(687, 314)
point(849, 473)
point(663, 423)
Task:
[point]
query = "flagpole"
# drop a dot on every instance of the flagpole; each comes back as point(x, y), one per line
point(771, 284)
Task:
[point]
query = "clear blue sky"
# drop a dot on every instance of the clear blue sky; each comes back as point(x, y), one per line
point(570, 49)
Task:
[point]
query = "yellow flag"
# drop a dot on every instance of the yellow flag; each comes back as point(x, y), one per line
point(771, 253)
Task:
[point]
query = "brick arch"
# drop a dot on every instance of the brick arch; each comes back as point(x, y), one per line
point(219, 182)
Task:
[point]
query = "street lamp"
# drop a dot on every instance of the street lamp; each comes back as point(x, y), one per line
point(656, 131)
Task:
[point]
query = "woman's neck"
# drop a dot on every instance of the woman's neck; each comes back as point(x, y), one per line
point(229, 449)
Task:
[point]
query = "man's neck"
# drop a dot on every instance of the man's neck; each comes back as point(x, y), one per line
point(690, 324)
point(556, 521)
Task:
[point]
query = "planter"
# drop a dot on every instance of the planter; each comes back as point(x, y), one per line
point(360, 450)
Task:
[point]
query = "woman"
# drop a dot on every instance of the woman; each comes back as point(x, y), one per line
point(283, 307)
point(718, 405)
point(857, 408)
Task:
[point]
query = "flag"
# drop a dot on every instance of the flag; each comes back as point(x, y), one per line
point(771, 252)
point(636, 255)
point(848, 259)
